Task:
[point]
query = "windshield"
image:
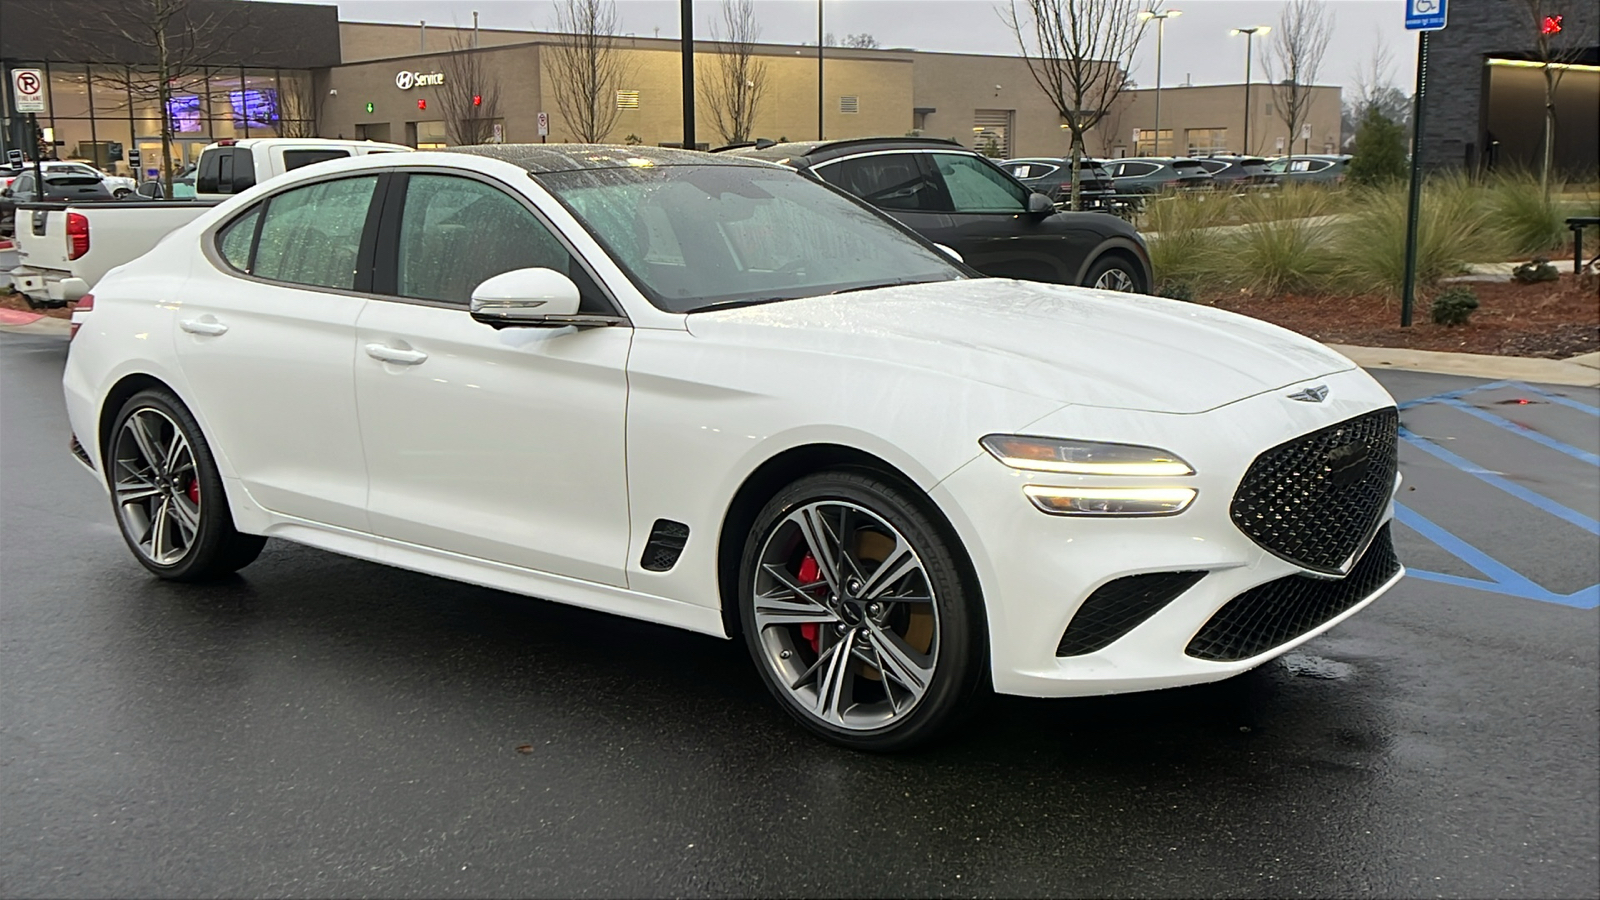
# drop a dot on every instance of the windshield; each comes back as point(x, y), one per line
point(700, 237)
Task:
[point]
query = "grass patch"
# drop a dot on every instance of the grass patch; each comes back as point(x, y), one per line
point(1524, 220)
point(1369, 242)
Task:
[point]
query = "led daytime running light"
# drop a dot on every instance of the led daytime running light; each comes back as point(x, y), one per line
point(1087, 501)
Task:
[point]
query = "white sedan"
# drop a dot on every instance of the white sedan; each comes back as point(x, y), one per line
point(118, 185)
point(713, 393)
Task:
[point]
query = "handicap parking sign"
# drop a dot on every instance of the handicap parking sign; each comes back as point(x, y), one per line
point(1425, 15)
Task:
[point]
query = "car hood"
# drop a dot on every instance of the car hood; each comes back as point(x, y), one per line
point(1071, 344)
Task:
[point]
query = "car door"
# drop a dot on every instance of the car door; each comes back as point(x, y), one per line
point(266, 341)
point(993, 230)
point(897, 182)
point(505, 445)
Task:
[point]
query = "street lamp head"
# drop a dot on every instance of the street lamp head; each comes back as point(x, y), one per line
point(1149, 14)
point(1254, 29)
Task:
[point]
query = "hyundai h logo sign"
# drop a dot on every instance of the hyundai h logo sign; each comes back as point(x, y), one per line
point(405, 81)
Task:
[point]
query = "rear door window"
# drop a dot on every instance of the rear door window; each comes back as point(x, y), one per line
point(886, 180)
point(977, 186)
point(294, 159)
point(312, 235)
point(234, 241)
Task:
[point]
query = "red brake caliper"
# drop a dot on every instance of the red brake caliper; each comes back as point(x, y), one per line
point(810, 573)
point(194, 491)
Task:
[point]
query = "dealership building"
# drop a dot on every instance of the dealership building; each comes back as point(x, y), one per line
point(266, 69)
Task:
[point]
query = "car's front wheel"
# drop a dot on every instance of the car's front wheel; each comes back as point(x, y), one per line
point(1116, 273)
point(168, 495)
point(858, 615)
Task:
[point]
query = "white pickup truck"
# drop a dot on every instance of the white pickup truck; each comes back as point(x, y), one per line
point(62, 249)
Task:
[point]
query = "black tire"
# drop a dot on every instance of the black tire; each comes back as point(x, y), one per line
point(216, 548)
point(958, 648)
point(1113, 265)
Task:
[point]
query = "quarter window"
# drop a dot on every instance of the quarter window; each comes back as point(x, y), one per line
point(235, 240)
point(312, 235)
point(976, 186)
point(886, 180)
point(457, 233)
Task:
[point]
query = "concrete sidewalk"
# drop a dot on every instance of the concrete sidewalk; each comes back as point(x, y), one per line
point(20, 322)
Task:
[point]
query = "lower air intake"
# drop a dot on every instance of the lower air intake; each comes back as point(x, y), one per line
point(664, 546)
point(1277, 612)
point(1117, 607)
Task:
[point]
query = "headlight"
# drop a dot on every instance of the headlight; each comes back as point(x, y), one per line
point(1083, 501)
point(1038, 454)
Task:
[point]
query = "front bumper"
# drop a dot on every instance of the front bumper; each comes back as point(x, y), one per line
point(1036, 570)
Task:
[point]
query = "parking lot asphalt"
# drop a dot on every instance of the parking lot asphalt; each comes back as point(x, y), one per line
point(325, 727)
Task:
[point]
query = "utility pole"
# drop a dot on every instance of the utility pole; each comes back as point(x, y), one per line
point(1249, 36)
point(1161, 29)
point(821, 106)
point(686, 14)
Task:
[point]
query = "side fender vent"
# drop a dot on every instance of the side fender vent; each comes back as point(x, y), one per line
point(665, 545)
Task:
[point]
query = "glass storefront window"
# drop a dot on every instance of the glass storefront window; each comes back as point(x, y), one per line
point(69, 92)
point(110, 90)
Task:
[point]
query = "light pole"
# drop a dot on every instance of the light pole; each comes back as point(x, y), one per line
point(821, 106)
point(1161, 29)
point(1249, 36)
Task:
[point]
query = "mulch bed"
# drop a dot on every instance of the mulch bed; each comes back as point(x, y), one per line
point(1553, 320)
point(14, 300)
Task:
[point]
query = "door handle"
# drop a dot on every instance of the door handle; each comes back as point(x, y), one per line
point(201, 326)
point(399, 357)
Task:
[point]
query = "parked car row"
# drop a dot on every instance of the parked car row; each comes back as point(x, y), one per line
point(1119, 184)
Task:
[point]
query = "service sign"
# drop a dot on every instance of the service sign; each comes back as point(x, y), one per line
point(1425, 15)
point(27, 90)
point(405, 81)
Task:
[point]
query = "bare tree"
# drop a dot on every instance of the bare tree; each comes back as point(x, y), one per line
point(298, 106)
point(862, 41)
point(470, 95)
point(1559, 38)
point(1079, 52)
point(1293, 58)
point(734, 87)
point(587, 67)
point(1374, 77)
point(179, 37)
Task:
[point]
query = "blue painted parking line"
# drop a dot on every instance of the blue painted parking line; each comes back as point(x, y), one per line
point(1522, 431)
point(1494, 478)
point(1498, 578)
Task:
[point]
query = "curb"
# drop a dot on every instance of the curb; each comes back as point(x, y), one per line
point(19, 322)
point(1579, 371)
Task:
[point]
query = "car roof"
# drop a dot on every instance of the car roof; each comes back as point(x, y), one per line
point(817, 151)
point(541, 159)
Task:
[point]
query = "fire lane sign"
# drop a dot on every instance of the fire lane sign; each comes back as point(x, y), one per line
point(27, 90)
point(1425, 15)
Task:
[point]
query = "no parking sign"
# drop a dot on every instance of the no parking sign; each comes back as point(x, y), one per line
point(27, 90)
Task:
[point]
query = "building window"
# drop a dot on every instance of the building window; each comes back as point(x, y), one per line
point(1146, 143)
point(431, 136)
point(627, 99)
point(850, 105)
point(991, 132)
point(1207, 140)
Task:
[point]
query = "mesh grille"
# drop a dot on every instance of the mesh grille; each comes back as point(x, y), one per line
point(1314, 500)
point(1280, 611)
point(664, 546)
point(1117, 607)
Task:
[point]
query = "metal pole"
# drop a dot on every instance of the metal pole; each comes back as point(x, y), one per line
point(1410, 296)
point(1161, 30)
point(821, 106)
point(1249, 36)
point(686, 11)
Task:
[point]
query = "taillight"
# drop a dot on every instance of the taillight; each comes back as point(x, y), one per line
point(85, 306)
point(77, 235)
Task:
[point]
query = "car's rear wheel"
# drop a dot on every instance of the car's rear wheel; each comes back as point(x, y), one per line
point(857, 613)
point(168, 495)
point(1115, 273)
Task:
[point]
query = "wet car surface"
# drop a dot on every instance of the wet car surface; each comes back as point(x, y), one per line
point(327, 727)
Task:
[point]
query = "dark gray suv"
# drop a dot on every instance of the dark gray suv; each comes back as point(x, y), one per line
point(955, 197)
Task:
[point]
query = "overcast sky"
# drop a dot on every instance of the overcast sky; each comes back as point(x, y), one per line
point(1196, 46)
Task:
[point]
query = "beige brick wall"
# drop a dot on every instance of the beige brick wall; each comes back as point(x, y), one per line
point(1222, 106)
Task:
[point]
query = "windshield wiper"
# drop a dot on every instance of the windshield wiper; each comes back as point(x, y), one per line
point(899, 282)
point(738, 304)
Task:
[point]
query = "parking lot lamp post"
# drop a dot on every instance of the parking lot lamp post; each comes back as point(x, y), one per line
point(1249, 36)
point(1161, 29)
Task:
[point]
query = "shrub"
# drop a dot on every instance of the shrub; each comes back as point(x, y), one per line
point(1370, 242)
point(1379, 150)
point(1180, 246)
point(1539, 269)
point(1524, 217)
point(1176, 290)
point(1281, 245)
point(1454, 306)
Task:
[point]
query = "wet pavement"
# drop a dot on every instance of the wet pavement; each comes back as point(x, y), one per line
point(327, 727)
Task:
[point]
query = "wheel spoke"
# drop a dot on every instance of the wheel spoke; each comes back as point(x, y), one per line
point(188, 519)
point(158, 532)
point(820, 541)
point(900, 563)
point(145, 441)
point(178, 447)
point(133, 493)
point(835, 682)
point(776, 611)
point(894, 662)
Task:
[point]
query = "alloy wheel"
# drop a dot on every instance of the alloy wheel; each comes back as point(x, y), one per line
point(1114, 280)
point(845, 614)
point(156, 487)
